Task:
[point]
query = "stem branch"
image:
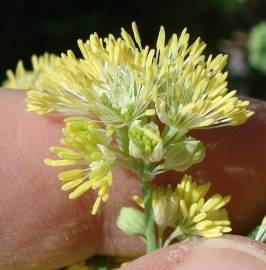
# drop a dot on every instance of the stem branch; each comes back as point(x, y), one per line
point(177, 232)
point(150, 232)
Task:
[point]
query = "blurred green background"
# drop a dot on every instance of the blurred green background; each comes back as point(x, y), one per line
point(34, 27)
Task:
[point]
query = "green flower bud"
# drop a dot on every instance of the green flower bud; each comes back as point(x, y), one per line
point(165, 206)
point(179, 156)
point(131, 221)
point(145, 141)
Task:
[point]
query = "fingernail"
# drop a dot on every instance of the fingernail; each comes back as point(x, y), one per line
point(225, 254)
point(164, 259)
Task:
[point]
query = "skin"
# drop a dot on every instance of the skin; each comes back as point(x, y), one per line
point(40, 228)
point(229, 252)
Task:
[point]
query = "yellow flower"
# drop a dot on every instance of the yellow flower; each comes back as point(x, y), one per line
point(29, 79)
point(68, 98)
point(109, 81)
point(120, 80)
point(192, 92)
point(198, 216)
point(187, 212)
point(165, 207)
point(91, 155)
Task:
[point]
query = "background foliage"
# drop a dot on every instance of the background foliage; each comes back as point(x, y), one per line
point(29, 27)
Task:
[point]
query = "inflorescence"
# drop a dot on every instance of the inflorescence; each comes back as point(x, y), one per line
point(132, 106)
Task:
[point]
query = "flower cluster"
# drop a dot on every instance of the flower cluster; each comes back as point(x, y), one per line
point(184, 209)
point(129, 88)
point(91, 155)
point(29, 79)
point(94, 151)
point(119, 81)
point(132, 107)
point(198, 216)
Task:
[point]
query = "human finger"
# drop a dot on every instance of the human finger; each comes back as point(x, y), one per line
point(39, 224)
point(230, 252)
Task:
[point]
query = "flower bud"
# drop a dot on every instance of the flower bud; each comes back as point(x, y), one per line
point(179, 156)
point(131, 221)
point(165, 207)
point(145, 141)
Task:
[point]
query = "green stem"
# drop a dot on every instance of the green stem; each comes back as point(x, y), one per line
point(160, 237)
point(254, 233)
point(175, 234)
point(150, 232)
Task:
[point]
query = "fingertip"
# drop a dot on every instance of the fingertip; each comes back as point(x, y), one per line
point(166, 258)
point(230, 252)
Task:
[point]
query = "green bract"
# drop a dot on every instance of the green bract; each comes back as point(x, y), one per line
point(131, 221)
point(181, 155)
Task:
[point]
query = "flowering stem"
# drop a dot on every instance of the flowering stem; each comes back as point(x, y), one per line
point(175, 234)
point(160, 237)
point(150, 232)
